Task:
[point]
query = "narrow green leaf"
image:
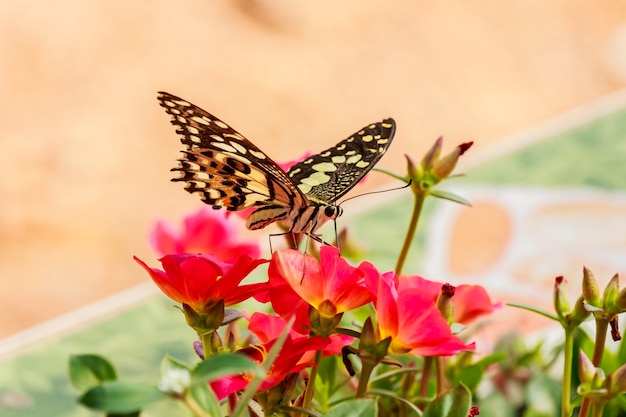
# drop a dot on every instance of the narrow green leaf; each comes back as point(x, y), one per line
point(205, 398)
point(534, 310)
point(363, 407)
point(87, 371)
point(453, 403)
point(120, 397)
point(446, 195)
point(221, 365)
point(471, 375)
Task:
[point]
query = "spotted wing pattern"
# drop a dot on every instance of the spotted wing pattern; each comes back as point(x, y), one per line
point(329, 175)
point(227, 170)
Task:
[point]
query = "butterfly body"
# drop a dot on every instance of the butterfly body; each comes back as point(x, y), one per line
point(228, 171)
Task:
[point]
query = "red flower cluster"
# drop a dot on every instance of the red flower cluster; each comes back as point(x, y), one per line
point(316, 292)
point(205, 231)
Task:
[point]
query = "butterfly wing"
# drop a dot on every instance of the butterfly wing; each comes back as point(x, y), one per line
point(222, 166)
point(329, 175)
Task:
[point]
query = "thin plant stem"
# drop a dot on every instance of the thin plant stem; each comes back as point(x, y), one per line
point(567, 372)
point(310, 386)
point(194, 407)
point(439, 375)
point(602, 326)
point(207, 348)
point(428, 365)
point(364, 378)
point(420, 196)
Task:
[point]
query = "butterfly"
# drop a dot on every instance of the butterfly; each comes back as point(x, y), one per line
point(228, 171)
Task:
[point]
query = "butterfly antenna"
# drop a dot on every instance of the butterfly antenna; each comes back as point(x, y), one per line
point(378, 192)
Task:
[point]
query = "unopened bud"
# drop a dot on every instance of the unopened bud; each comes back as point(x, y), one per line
point(611, 291)
point(415, 171)
point(591, 290)
point(586, 370)
point(444, 302)
point(433, 154)
point(619, 380)
point(561, 302)
point(579, 313)
point(446, 165)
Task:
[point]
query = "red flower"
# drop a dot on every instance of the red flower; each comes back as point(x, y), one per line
point(201, 280)
point(470, 301)
point(414, 323)
point(267, 327)
point(205, 231)
point(287, 362)
point(330, 285)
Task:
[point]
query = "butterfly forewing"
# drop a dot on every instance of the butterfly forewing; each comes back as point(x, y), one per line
point(330, 174)
point(222, 166)
point(228, 171)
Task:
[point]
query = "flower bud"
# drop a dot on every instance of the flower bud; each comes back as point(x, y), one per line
point(586, 370)
point(591, 290)
point(432, 155)
point(445, 165)
point(415, 171)
point(444, 302)
point(611, 291)
point(579, 313)
point(561, 302)
point(618, 384)
point(620, 301)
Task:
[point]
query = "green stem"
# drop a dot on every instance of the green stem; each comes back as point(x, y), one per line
point(602, 326)
point(597, 409)
point(428, 366)
point(207, 347)
point(567, 372)
point(194, 407)
point(364, 379)
point(439, 375)
point(310, 386)
point(420, 196)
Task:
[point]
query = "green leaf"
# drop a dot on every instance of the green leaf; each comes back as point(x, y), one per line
point(453, 403)
point(471, 375)
point(121, 397)
point(222, 365)
point(87, 371)
point(446, 195)
point(534, 309)
point(204, 396)
point(543, 397)
point(363, 407)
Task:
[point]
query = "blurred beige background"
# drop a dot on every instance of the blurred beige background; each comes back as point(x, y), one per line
point(86, 150)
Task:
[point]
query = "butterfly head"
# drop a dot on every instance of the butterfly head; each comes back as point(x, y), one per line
point(332, 211)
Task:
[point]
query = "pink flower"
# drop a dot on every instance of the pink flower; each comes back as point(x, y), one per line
point(267, 327)
point(201, 280)
point(470, 301)
point(288, 362)
point(330, 285)
point(205, 231)
point(411, 318)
